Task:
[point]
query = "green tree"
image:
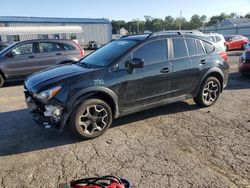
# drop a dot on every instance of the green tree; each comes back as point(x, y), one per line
point(215, 19)
point(247, 15)
point(157, 25)
point(117, 25)
point(168, 22)
point(195, 22)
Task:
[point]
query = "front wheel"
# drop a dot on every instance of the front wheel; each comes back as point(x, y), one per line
point(91, 119)
point(209, 92)
point(1, 80)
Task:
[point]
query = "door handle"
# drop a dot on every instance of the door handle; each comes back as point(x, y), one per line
point(165, 70)
point(58, 53)
point(31, 56)
point(203, 62)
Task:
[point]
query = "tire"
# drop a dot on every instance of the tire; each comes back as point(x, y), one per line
point(1, 81)
point(91, 119)
point(209, 92)
point(244, 46)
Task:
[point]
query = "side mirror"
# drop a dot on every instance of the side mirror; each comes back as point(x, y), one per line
point(9, 54)
point(134, 64)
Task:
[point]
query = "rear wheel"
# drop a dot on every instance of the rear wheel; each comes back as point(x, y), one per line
point(244, 46)
point(209, 92)
point(91, 119)
point(1, 80)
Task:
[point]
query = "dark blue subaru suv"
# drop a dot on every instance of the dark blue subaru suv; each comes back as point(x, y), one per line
point(134, 73)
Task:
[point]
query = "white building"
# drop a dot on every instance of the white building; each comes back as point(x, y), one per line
point(230, 26)
point(123, 31)
point(82, 30)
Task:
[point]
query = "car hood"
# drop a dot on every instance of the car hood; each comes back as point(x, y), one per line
point(52, 75)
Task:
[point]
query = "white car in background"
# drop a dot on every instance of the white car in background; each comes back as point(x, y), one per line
point(217, 39)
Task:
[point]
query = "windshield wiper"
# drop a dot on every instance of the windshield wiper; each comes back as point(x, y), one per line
point(85, 65)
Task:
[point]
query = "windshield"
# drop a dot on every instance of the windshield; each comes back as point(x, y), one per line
point(7, 48)
point(108, 53)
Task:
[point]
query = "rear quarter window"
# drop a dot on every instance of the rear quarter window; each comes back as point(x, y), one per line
point(208, 47)
point(68, 47)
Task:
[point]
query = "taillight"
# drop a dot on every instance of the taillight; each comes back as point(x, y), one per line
point(224, 55)
point(81, 50)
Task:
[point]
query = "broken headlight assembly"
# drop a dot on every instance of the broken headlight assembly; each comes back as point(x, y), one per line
point(46, 95)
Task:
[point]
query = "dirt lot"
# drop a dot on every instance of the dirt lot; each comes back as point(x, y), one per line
point(178, 145)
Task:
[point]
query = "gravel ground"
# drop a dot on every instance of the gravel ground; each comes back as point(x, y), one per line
point(178, 145)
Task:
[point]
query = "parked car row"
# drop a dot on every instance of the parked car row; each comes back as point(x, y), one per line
point(27, 57)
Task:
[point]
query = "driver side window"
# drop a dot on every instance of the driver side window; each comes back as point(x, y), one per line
point(23, 49)
point(153, 52)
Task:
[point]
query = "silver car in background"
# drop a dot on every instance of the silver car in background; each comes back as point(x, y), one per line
point(217, 39)
point(27, 57)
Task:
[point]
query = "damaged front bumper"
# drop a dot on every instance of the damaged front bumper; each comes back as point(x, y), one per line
point(49, 115)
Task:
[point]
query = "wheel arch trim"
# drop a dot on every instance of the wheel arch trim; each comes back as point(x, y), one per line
point(214, 70)
point(87, 93)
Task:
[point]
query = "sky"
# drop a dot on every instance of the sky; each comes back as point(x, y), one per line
point(121, 10)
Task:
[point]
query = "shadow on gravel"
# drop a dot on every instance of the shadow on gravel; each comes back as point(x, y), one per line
point(13, 83)
point(19, 133)
point(238, 81)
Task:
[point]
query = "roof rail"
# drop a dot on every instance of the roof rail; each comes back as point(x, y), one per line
point(179, 32)
point(124, 36)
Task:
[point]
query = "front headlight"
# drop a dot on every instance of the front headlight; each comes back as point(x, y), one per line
point(46, 95)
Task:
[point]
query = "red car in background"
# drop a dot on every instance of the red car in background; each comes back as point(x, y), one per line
point(244, 63)
point(235, 42)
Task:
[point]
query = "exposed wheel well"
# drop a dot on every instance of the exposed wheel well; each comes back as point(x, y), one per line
point(218, 76)
point(108, 99)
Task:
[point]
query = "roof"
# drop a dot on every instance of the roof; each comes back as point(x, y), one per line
point(40, 30)
point(186, 33)
point(22, 19)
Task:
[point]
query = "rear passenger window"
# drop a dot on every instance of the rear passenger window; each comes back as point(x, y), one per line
point(200, 49)
point(179, 48)
point(208, 47)
point(49, 47)
point(68, 47)
point(153, 52)
point(191, 46)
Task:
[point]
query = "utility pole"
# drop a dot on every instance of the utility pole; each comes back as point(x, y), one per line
point(180, 19)
point(138, 28)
